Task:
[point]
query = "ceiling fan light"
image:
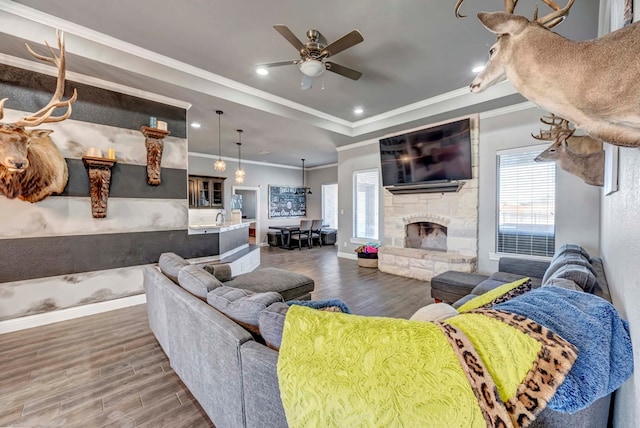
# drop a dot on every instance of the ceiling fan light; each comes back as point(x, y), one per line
point(312, 67)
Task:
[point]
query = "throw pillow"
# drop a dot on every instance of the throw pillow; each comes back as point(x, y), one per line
point(220, 271)
point(197, 281)
point(170, 264)
point(435, 312)
point(498, 295)
point(578, 274)
point(242, 306)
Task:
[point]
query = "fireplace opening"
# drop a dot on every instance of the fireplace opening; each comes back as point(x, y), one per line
point(426, 235)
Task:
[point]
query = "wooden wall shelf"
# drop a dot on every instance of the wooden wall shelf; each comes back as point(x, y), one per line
point(99, 170)
point(154, 143)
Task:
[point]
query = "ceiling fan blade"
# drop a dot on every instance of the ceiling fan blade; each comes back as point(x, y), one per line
point(344, 42)
point(307, 82)
point(291, 38)
point(342, 70)
point(278, 63)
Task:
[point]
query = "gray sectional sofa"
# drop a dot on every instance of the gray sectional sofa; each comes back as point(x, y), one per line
point(232, 376)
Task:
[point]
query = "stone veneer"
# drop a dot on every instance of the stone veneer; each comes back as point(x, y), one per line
point(458, 211)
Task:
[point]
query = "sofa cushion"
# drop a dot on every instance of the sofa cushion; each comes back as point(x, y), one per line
point(242, 306)
point(563, 283)
point(222, 271)
point(170, 264)
point(291, 285)
point(271, 323)
point(572, 248)
point(271, 320)
point(498, 295)
point(197, 281)
point(566, 258)
point(581, 275)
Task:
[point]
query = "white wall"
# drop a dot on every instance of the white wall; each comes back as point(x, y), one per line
point(620, 243)
point(577, 204)
point(315, 179)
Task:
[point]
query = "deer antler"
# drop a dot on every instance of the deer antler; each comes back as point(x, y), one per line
point(44, 114)
point(558, 128)
point(509, 7)
point(551, 20)
point(557, 16)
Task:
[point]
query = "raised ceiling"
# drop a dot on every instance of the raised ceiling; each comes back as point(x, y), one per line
point(204, 53)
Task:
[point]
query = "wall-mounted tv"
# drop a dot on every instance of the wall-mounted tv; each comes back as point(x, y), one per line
point(440, 153)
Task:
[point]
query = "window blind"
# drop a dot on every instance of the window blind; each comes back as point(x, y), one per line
point(526, 205)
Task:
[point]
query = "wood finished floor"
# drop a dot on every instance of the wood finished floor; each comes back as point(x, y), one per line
point(107, 370)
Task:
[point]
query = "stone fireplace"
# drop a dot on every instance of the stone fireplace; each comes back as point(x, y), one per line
point(429, 233)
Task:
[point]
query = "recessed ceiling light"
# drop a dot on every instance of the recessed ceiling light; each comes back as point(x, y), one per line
point(358, 110)
point(195, 125)
point(262, 71)
point(263, 152)
point(477, 68)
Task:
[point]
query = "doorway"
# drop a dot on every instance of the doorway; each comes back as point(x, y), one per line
point(250, 209)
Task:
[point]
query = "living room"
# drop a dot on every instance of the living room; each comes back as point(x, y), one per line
point(604, 225)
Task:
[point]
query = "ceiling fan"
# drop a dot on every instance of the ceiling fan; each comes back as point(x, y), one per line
point(313, 55)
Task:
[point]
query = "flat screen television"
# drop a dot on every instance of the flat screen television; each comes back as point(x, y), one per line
point(440, 153)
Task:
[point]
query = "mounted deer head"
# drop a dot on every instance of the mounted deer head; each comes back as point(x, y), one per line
point(31, 166)
point(592, 84)
point(586, 161)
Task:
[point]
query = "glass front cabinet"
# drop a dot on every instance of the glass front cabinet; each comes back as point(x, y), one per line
point(206, 192)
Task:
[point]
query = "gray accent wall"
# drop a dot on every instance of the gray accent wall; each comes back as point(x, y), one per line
point(315, 179)
point(54, 254)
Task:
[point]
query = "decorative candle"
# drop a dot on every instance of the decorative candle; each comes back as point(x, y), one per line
point(162, 125)
point(111, 153)
point(152, 122)
point(94, 152)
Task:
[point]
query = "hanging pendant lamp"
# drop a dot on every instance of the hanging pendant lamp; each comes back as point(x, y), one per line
point(306, 190)
point(219, 165)
point(240, 174)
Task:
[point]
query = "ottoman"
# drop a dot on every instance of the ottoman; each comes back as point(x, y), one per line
point(450, 286)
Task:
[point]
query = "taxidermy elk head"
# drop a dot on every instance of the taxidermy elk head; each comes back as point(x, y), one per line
point(31, 166)
point(593, 84)
point(581, 156)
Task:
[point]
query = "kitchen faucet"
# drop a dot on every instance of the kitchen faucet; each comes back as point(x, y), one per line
point(220, 213)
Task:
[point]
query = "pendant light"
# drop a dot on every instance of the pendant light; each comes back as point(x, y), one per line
point(239, 172)
point(219, 165)
point(304, 190)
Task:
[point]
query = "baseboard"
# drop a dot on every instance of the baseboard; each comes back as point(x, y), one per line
point(38, 320)
point(352, 256)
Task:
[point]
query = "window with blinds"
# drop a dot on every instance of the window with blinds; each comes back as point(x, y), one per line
point(526, 204)
point(365, 214)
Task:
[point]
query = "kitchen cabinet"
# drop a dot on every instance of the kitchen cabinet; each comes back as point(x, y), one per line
point(206, 192)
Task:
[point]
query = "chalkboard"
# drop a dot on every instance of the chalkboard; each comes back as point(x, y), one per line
point(287, 201)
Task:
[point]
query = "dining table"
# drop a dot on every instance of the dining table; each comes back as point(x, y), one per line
point(285, 234)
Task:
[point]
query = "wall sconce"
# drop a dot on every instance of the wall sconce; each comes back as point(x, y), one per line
point(219, 165)
point(240, 174)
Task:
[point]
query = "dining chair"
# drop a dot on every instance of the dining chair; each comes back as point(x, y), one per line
point(316, 226)
point(303, 233)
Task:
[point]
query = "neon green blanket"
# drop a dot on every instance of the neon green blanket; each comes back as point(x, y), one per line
point(345, 370)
